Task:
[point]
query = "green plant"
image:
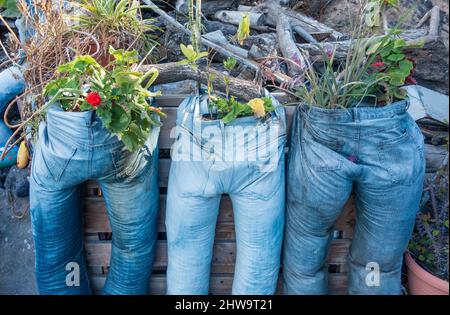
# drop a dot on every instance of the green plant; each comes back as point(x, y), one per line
point(191, 55)
point(117, 23)
point(375, 68)
point(195, 23)
point(429, 244)
point(10, 9)
point(229, 65)
point(230, 109)
point(391, 69)
point(118, 93)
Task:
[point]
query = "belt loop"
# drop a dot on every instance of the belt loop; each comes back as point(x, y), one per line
point(90, 118)
point(356, 117)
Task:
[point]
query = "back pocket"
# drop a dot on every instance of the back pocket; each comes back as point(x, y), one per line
point(319, 156)
point(402, 157)
point(50, 163)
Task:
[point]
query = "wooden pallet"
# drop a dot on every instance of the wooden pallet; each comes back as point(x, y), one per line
point(98, 231)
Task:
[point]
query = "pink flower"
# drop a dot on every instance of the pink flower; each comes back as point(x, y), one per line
point(329, 51)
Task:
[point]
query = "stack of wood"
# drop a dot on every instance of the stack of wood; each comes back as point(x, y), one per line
point(281, 38)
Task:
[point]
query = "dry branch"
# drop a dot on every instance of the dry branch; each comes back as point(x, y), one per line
point(279, 77)
point(288, 46)
point(235, 17)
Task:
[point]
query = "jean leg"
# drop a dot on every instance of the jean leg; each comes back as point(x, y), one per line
point(384, 223)
point(133, 213)
point(58, 237)
point(318, 187)
point(190, 224)
point(259, 237)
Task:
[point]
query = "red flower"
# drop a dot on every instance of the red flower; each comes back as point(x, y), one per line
point(94, 99)
point(378, 64)
point(411, 80)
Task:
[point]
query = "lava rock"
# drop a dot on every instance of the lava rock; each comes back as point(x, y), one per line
point(17, 182)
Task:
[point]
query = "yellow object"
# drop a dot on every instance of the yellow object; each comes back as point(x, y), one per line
point(243, 29)
point(22, 155)
point(257, 106)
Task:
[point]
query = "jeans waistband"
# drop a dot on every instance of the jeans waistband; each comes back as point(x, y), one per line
point(192, 109)
point(355, 114)
point(81, 129)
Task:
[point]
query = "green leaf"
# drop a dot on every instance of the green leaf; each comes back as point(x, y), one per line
point(11, 9)
point(374, 48)
point(188, 52)
point(151, 75)
point(406, 67)
point(120, 119)
point(230, 63)
point(396, 57)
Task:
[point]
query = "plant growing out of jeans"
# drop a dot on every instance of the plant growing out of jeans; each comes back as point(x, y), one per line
point(118, 93)
point(375, 69)
point(430, 240)
point(228, 108)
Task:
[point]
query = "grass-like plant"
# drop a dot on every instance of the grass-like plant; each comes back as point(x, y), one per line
point(117, 23)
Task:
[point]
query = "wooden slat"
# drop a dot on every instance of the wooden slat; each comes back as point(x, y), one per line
point(96, 219)
point(98, 254)
point(220, 284)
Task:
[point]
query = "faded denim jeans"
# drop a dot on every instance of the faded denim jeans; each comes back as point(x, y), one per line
point(377, 153)
point(244, 159)
point(72, 148)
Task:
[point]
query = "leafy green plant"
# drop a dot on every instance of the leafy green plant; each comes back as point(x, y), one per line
point(230, 109)
point(9, 9)
point(391, 69)
point(117, 23)
point(118, 93)
point(429, 244)
point(192, 56)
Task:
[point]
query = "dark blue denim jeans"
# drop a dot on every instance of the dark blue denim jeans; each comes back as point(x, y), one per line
point(72, 148)
point(244, 159)
point(377, 153)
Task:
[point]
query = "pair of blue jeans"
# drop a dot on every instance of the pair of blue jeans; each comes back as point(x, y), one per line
point(378, 154)
point(74, 147)
point(244, 159)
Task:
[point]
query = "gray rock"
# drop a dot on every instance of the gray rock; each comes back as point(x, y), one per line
point(17, 182)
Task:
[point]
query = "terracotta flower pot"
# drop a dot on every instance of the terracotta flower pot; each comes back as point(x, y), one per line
point(421, 282)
